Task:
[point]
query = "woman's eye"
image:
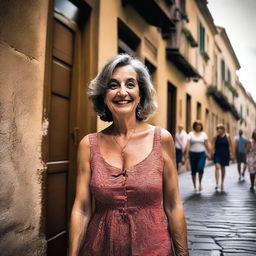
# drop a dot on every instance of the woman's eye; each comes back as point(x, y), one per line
point(113, 86)
point(130, 85)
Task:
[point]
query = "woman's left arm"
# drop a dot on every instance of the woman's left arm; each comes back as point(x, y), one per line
point(173, 205)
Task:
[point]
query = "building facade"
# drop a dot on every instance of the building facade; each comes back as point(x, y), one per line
point(50, 50)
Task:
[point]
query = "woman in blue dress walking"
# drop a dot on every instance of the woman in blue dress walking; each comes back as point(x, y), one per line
point(222, 154)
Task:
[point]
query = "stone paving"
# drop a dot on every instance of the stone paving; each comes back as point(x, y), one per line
point(220, 223)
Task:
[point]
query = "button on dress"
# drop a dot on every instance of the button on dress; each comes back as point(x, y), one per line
point(129, 219)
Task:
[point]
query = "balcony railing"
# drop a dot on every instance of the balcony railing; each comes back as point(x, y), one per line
point(180, 54)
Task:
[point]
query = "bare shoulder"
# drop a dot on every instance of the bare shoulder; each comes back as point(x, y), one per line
point(84, 147)
point(166, 136)
point(85, 142)
point(168, 149)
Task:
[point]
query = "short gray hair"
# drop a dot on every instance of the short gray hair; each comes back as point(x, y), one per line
point(99, 86)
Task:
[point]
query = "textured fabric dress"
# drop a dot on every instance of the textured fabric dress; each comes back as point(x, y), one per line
point(251, 158)
point(221, 155)
point(129, 219)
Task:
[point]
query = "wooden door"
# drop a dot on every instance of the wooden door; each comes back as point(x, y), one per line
point(59, 138)
point(70, 65)
point(171, 112)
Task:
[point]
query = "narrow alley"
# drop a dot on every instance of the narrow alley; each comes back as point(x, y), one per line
point(220, 223)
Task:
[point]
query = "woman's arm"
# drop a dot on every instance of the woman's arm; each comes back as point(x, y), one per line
point(81, 211)
point(213, 144)
point(231, 147)
point(208, 148)
point(173, 205)
point(187, 148)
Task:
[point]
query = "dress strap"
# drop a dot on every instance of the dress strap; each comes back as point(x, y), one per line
point(157, 137)
point(94, 147)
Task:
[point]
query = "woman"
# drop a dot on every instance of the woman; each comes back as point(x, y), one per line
point(180, 145)
point(197, 144)
point(251, 159)
point(129, 170)
point(223, 152)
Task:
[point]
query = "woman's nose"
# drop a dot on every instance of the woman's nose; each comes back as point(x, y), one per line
point(122, 90)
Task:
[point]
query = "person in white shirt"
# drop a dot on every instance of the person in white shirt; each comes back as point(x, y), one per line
point(197, 144)
point(180, 145)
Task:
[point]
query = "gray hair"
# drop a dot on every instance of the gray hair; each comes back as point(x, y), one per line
point(99, 86)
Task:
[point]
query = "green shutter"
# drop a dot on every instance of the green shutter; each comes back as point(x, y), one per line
point(223, 70)
point(202, 37)
point(229, 77)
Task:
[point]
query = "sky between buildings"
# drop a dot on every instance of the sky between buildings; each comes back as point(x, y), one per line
point(238, 17)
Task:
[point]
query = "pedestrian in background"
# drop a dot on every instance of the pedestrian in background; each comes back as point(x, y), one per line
point(222, 153)
point(180, 145)
point(251, 159)
point(241, 149)
point(197, 145)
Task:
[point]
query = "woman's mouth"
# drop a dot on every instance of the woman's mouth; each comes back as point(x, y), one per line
point(122, 101)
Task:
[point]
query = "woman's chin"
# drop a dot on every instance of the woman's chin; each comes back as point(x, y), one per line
point(123, 111)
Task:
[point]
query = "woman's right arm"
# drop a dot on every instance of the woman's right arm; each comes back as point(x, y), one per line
point(187, 148)
point(82, 209)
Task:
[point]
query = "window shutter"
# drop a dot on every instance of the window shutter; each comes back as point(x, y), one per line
point(202, 37)
point(222, 70)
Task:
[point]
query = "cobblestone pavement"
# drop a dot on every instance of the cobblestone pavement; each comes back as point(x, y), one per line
point(220, 223)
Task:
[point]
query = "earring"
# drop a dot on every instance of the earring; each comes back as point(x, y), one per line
point(139, 110)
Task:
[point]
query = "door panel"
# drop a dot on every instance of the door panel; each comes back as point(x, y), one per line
point(59, 128)
point(63, 43)
point(56, 210)
point(61, 78)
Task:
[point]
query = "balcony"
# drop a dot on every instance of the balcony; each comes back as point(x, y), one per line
point(179, 52)
point(157, 13)
point(223, 101)
point(231, 88)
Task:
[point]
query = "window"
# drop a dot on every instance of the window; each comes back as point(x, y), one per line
point(229, 76)
point(188, 112)
point(151, 67)
point(201, 37)
point(215, 69)
point(222, 70)
point(128, 41)
point(198, 111)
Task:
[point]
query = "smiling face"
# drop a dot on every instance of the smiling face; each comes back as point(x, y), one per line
point(123, 94)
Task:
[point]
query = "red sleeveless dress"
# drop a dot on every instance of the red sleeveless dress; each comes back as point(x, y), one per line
point(129, 219)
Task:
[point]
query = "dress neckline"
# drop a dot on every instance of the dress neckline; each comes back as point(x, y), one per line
point(134, 165)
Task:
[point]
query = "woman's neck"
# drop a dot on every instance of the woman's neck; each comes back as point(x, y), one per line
point(123, 126)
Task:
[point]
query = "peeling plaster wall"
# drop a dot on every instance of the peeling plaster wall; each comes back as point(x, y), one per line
point(23, 26)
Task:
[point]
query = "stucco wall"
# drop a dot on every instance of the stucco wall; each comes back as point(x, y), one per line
point(22, 53)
